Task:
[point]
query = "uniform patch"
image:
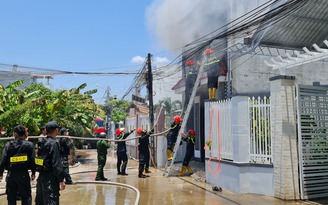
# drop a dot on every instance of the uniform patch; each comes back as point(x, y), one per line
point(39, 161)
point(18, 159)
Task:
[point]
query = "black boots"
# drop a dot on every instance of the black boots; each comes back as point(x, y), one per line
point(141, 175)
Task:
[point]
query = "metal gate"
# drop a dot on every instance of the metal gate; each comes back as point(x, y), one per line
point(312, 112)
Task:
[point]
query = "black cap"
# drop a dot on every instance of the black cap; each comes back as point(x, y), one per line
point(62, 130)
point(20, 130)
point(43, 127)
point(52, 125)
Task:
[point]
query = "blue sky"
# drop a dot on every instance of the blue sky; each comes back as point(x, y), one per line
point(105, 35)
point(76, 35)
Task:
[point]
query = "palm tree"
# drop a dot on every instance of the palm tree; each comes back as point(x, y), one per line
point(170, 106)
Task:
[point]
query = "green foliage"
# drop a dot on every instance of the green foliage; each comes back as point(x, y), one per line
point(36, 105)
point(170, 106)
point(10, 96)
point(116, 109)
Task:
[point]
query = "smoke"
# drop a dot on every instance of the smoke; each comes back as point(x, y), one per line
point(176, 23)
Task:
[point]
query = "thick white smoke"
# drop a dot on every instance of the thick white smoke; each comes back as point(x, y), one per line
point(176, 23)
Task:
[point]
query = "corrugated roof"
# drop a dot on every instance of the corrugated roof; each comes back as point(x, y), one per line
point(302, 28)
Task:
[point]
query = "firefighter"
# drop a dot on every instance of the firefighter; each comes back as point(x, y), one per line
point(18, 158)
point(190, 140)
point(102, 146)
point(212, 67)
point(50, 168)
point(172, 136)
point(191, 76)
point(65, 145)
point(144, 154)
point(121, 151)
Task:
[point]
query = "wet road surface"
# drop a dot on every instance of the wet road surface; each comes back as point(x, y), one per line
point(157, 189)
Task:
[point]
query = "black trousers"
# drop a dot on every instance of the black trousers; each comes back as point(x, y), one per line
point(187, 158)
point(147, 159)
point(171, 140)
point(121, 157)
point(65, 164)
point(47, 189)
point(18, 182)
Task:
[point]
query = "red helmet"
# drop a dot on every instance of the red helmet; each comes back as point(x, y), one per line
point(192, 132)
point(190, 63)
point(118, 131)
point(177, 119)
point(139, 131)
point(208, 51)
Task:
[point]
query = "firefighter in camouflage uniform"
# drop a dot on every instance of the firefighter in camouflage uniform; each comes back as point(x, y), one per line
point(102, 146)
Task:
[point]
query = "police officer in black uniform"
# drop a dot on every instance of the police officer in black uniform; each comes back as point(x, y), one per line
point(65, 145)
point(121, 151)
point(18, 158)
point(50, 168)
point(143, 147)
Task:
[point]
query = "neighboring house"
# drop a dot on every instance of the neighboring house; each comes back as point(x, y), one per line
point(138, 118)
point(164, 78)
point(7, 77)
point(244, 54)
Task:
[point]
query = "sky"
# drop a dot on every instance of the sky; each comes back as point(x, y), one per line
point(102, 36)
point(75, 35)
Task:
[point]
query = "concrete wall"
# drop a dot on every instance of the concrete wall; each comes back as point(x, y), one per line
point(250, 76)
point(238, 175)
point(164, 81)
point(241, 178)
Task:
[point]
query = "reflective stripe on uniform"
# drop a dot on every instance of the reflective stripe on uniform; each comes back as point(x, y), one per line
point(18, 159)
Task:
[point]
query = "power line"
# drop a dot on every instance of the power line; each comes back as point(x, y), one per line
point(8, 67)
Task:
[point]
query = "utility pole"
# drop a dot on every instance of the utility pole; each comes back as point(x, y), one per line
point(108, 112)
point(149, 79)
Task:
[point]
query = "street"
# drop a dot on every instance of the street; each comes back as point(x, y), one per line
point(156, 189)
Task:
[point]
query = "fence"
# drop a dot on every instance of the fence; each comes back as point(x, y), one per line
point(220, 130)
point(260, 132)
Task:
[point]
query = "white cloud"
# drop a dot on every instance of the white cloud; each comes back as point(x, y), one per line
point(138, 59)
point(157, 61)
point(161, 60)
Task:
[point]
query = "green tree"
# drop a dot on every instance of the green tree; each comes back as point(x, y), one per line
point(169, 105)
point(116, 109)
point(36, 105)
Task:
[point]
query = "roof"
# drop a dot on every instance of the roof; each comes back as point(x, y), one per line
point(181, 83)
point(143, 109)
point(303, 27)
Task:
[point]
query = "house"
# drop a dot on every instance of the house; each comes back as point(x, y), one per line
point(266, 59)
point(12, 74)
point(138, 117)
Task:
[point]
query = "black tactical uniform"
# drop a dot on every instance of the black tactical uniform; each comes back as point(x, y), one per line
point(121, 153)
point(144, 152)
point(18, 158)
point(65, 145)
point(50, 168)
